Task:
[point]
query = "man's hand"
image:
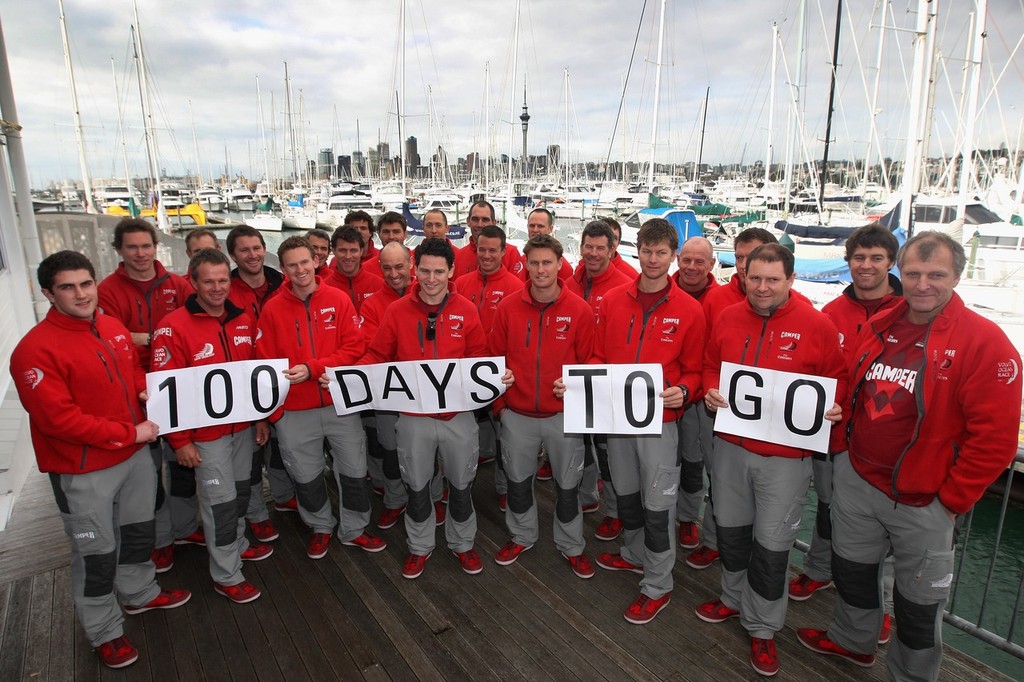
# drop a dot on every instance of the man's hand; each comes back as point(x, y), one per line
point(714, 400)
point(146, 432)
point(188, 456)
point(140, 338)
point(673, 397)
point(262, 432)
point(325, 381)
point(143, 396)
point(559, 389)
point(507, 378)
point(835, 414)
point(296, 374)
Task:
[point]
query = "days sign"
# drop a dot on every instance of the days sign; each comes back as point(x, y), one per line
point(778, 407)
point(615, 399)
point(418, 387)
point(208, 395)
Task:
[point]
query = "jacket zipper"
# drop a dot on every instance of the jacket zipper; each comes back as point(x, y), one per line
point(540, 340)
point(312, 341)
point(643, 329)
point(919, 399)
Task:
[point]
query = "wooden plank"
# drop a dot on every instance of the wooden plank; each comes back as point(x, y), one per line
point(37, 654)
point(5, 598)
point(12, 656)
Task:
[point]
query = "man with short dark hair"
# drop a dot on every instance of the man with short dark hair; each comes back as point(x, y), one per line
point(348, 273)
point(760, 487)
point(316, 327)
point(320, 240)
point(80, 381)
point(209, 330)
point(361, 221)
point(139, 294)
point(435, 226)
point(391, 227)
point(481, 214)
point(199, 239)
point(934, 416)
point(617, 261)
point(542, 221)
point(650, 321)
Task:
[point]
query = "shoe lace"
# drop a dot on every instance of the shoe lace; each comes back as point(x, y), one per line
point(764, 650)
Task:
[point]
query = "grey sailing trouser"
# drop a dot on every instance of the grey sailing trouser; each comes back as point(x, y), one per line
point(222, 485)
point(695, 447)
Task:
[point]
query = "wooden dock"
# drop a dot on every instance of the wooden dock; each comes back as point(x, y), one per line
point(352, 616)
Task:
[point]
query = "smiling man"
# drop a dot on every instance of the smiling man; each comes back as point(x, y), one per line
point(481, 214)
point(542, 221)
point(348, 273)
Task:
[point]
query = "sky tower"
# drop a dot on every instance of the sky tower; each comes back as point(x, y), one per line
point(525, 118)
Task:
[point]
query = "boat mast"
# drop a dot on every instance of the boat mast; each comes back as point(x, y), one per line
point(700, 146)
point(793, 117)
point(263, 138)
point(565, 152)
point(657, 97)
point(400, 100)
point(967, 151)
point(90, 206)
point(769, 149)
point(291, 126)
point(831, 107)
point(150, 128)
point(195, 145)
point(926, 12)
point(512, 104)
point(487, 122)
point(132, 208)
point(874, 105)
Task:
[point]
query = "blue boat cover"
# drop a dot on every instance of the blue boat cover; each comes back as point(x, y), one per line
point(416, 225)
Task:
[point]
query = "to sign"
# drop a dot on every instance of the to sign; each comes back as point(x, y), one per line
point(777, 407)
point(616, 399)
point(226, 393)
point(427, 387)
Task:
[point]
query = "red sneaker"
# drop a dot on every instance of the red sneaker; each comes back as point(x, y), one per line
point(885, 634)
point(318, 545)
point(689, 537)
point(702, 557)
point(509, 553)
point(615, 562)
point(242, 593)
point(117, 653)
point(367, 543)
point(581, 566)
point(196, 538)
point(644, 609)
point(544, 472)
point(502, 501)
point(167, 599)
point(291, 505)
point(389, 517)
point(163, 558)
point(265, 531)
point(590, 508)
point(817, 640)
point(609, 529)
point(257, 552)
point(763, 657)
point(440, 513)
point(803, 587)
point(414, 565)
point(470, 561)
point(715, 612)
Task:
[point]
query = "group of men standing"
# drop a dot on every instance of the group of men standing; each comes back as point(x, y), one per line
point(923, 420)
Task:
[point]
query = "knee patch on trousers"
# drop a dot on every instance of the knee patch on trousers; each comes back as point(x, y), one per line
point(137, 541)
point(353, 494)
point(373, 448)
point(691, 476)
point(460, 503)
point(312, 495)
point(823, 522)
point(390, 465)
point(100, 570)
point(567, 503)
point(857, 583)
point(766, 571)
point(916, 622)
point(183, 480)
point(631, 511)
point(225, 523)
point(419, 504)
point(656, 524)
point(735, 544)
point(520, 495)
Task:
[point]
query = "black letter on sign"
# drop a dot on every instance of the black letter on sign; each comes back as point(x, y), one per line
point(439, 387)
point(474, 373)
point(628, 394)
point(208, 393)
point(588, 389)
point(401, 387)
point(254, 388)
point(819, 408)
point(171, 384)
point(753, 399)
point(351, 402)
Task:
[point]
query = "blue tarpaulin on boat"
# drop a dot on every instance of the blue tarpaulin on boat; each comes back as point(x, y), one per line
point(415, 225)
point(684, 221)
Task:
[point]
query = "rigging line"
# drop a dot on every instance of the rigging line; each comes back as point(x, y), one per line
point(622, 96)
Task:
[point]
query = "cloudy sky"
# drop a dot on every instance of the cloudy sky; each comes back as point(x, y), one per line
point(344, 61)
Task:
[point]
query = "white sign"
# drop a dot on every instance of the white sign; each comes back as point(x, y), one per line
point(777, 407)
point(208, 395)
point(418, 387)
point(616, 399)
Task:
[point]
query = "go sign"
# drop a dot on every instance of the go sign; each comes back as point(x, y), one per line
point(777, 407)
point(208, 395)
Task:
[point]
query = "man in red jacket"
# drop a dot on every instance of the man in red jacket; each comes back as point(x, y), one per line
point(320, 240)
point(435, 226)
point(871, 254)
point(593, 279)
point(434, 322)
point(139, 294)
point(363, 223)
point(316, 327)
point(481, 214)
point(542, 221)
point(211, 330)
point(760, 487)
point(391, 227)
point(650, 321)
point(253, 283)
point(934, 419)
point(538, 330)
point(80, 381)
point(348, 273)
